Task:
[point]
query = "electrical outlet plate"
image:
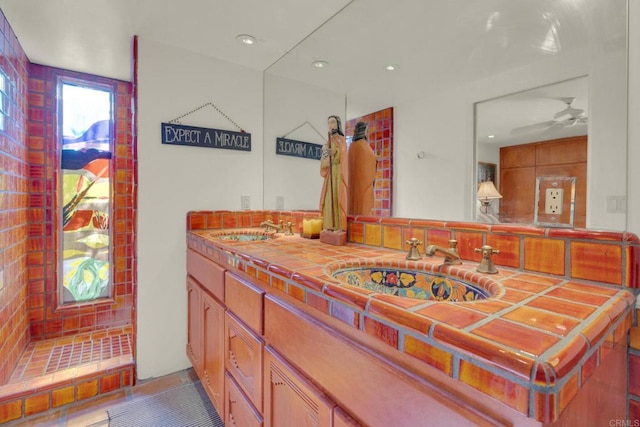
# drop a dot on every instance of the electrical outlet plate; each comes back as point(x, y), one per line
point(1, 279)
point(554, 197)
point(245, 202)
point(279, 203)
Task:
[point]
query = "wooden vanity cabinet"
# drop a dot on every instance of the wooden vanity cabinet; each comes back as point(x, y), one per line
point(243, 341)
point(239, 411)
point(205, 324)
point(213, 348)
point(245, 301)
point(194, 325)
point(342, 419)
point(243, 359)
point(373, 389)
point(290, 399)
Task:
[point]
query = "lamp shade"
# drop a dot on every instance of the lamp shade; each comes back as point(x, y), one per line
point(487, 191)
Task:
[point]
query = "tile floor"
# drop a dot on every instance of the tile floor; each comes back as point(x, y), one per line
point(50, 356)
point(93, 413)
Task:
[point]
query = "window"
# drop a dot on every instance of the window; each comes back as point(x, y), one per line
point(85, 112)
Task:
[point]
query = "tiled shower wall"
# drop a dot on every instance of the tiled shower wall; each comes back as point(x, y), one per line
point(28, 241)
point(14, 212)
point(47, 320)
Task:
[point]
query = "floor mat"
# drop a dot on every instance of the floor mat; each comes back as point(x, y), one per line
point(183, 406)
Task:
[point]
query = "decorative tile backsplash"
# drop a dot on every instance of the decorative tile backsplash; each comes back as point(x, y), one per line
point(606, 257)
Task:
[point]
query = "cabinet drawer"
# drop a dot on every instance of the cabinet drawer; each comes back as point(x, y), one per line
point(243, 358)
point(290, 398)
point(245, 301)
point(240, 412)
point(209, 274)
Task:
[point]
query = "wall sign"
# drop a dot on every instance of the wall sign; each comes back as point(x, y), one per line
point(291, 147)
point(176, 134)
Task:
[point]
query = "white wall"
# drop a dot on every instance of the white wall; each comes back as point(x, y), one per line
point(633, 181)
point(173, 180)
point(300, 112)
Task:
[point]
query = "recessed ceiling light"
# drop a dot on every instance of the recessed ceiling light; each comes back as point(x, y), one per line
point(246, 39)
point(391, 67)
point(320, 64)
point(491, 136)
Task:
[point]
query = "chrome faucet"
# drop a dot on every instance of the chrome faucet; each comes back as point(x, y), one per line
point(269, 225)
point(450, 256)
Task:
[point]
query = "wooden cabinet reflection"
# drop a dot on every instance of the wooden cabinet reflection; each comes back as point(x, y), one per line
point(521, 165)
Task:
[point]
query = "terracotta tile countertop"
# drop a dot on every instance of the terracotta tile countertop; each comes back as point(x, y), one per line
point(536, 337)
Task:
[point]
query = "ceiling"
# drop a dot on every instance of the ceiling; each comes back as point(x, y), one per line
point(430, 40)
point(95, 36)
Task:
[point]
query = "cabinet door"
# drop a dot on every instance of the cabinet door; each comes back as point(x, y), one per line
point(213, 350)
point(194, 325)
point(243, 358)
point(342, 419)
point(239, 411)
point(290, 399)
point(518, 189)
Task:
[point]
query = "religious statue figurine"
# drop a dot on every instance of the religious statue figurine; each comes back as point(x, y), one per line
point(362, 172)
point(334, 168)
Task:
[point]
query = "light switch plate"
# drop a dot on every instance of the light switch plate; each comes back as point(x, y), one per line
point(245, 202)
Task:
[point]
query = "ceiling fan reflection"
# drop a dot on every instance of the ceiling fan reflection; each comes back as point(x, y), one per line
point(575, 116)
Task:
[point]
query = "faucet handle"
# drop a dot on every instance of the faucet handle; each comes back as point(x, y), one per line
point(486, 265)
point(289, 231)
point(413, 242)
point(487, 250)
point(414, 253)
point(453, 245)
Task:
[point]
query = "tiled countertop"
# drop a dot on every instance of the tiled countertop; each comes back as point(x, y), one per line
point(539, 337)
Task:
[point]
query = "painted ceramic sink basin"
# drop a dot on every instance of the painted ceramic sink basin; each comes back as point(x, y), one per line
point(416, 281)
point(242, 235)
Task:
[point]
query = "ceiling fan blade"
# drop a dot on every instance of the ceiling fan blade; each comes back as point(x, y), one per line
point(533, 128)
point(557, 125)
point(569, 122)
point(568, 111)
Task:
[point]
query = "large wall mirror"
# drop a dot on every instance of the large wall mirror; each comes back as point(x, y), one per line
point(457, 64)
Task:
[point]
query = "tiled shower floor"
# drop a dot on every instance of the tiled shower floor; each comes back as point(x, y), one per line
point(49, 356)
point(59, 372)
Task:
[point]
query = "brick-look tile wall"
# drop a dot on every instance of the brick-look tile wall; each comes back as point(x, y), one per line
point(14, 212)
point(47, 319)
point(380, 137)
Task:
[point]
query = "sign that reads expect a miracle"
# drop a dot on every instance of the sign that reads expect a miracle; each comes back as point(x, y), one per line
point(203, 137)
point(291, 147)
